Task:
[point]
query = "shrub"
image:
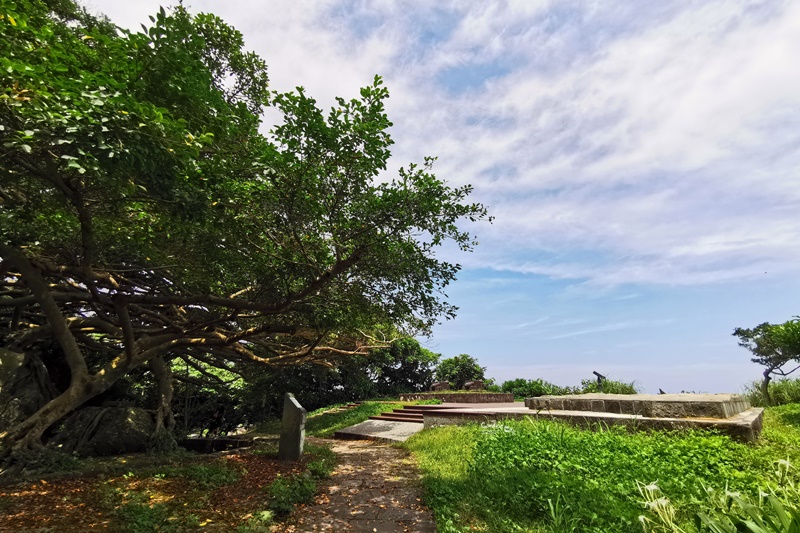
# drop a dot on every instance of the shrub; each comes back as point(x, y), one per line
point(783, 391)
point(609, 387)
point(522, 388)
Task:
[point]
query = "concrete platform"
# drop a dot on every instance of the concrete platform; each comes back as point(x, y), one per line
point(745, 426)
point(379, 430)
point(649, 405)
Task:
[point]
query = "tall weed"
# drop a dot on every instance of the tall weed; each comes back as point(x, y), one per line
point(782, 391)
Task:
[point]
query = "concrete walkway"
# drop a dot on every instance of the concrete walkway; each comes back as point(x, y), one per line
point(379, 430)
point(375, 488)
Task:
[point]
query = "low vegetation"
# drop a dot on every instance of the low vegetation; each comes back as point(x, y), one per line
point(547, 476)
point(782, 391)
point(243, 491)
point(522, 388)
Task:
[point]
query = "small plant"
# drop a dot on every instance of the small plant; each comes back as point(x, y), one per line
point(285, 492)
point(162, 442)
point(138, 517)
point(432, 401)
point(561, 520)
point(258, 522)
point(208, 476)
point(662, 513)
point(725, 511)
point(323, 461)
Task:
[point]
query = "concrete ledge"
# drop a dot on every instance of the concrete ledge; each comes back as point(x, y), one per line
point(720, 406)
point(745, 426)
point(460, 397)
point(379, 430)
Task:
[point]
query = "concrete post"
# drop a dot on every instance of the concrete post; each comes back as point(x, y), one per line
point(293, 429)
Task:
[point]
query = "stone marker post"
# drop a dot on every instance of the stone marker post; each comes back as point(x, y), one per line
point(293, 429)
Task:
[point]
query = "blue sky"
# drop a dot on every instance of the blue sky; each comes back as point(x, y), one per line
point(642, 160)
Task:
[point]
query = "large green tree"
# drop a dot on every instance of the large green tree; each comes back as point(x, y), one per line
point(460, 369)
point(776, 347)
point(404, 366)
point(144, 217)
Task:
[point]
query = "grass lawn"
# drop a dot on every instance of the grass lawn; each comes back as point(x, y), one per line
point(550, 477)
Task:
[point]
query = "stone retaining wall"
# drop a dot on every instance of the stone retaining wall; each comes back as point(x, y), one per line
point(460, 397)
point(649, 405)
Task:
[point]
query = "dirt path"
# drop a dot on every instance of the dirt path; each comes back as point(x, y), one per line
point(375, 488)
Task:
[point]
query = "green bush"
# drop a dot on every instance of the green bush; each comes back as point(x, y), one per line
point(783, 391)
point(610, 386)
point(323, 462)
point(522, 388)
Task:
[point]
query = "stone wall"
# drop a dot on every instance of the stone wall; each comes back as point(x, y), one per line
point(460, 397)
point(649, 405)
point(744, 427)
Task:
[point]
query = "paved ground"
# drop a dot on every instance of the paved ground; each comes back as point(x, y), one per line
point(380, 430)
point(375, 488)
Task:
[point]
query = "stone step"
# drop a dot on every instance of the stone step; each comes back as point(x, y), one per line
point(413, 416)
point(379, 430)
point(396, 418)
point(424, 408)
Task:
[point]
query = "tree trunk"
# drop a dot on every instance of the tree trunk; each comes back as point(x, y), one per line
point(765, 387)
point(165, 418)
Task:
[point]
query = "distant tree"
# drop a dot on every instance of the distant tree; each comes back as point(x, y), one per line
point(774, 346)
point(522, 388)
point(405, 366)
point(460, 369)
point(610, 386)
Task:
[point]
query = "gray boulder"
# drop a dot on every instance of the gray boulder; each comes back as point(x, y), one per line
point(100, 431)
point(25, 387)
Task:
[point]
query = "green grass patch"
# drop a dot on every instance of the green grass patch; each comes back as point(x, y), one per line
point(286, 491)
point(322, 461)
point(548, 476)
point(205, 476)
